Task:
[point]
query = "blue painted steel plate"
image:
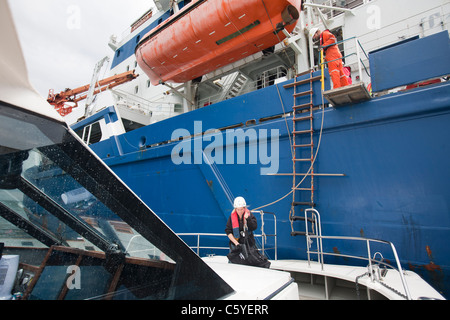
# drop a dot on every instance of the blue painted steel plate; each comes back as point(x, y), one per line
point(410, 61)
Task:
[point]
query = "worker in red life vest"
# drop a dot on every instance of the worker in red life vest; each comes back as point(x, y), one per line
point(332, 55)
point(240, 217)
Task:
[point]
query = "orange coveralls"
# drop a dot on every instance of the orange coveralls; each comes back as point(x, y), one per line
point(335, 67)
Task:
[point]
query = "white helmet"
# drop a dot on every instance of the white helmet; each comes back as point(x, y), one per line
point(312, 32)
point(239, 202)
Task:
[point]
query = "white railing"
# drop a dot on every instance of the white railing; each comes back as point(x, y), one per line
point(263, 237)
point(373, 267)
point(359, 52)
point(266, 79)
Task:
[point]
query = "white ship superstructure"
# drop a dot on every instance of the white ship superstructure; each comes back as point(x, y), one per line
point(372, 24)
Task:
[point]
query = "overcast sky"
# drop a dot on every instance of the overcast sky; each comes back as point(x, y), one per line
point(62, 40)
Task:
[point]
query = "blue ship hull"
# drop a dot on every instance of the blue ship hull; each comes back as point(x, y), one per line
point(393, 151)
point(389, 156)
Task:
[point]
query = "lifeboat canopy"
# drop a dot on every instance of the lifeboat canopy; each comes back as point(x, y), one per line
point(209, 34)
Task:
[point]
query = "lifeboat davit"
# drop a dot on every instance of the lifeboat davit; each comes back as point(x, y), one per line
point(209, 34)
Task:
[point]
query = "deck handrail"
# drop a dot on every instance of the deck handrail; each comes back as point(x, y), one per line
point(358, 47)
point(320, 252)
point(263, 236)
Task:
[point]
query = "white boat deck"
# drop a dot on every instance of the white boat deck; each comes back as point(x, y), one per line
point(334, 282)
point(252, 283)
point(341, 282)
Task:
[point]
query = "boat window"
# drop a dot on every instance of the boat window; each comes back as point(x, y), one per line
point(130, 125)
point(95, 134)
point(178, 108)
point(91, 133)
point(56, 195)
point(75, 275)
point(57, 204)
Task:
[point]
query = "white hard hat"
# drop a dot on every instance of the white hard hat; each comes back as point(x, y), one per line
point(239, 202)
point(312, 32)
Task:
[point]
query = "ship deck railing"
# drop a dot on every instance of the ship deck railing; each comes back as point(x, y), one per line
point(374, 266)
point(266, 79)
point(354, 92)
point(377, 264)
point(358, 52)
point(330, 9)
point(279, 73)
point(259, 236)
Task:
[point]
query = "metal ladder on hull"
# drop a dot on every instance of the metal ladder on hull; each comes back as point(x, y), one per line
point(303, 150)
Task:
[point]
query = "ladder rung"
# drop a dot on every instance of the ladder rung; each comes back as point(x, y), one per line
point(303, 118)
point(308, 204)
point(303, 132)
point(298, 83)
point(303, 106)
point(298, 233)
point(303, 145)
point(303, 160)
point(304, 189)
point(300, 218)
point(301, 94)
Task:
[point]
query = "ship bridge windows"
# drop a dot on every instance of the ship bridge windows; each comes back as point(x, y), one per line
point(130, 125)
point(178, 108)
point(90, 134)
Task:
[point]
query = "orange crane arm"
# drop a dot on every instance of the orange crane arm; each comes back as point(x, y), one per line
point(74, 96)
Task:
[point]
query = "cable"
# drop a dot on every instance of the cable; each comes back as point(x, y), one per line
point(276, 33)
point(285, 120)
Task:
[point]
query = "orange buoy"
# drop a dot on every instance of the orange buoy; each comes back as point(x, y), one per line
point(209, 34)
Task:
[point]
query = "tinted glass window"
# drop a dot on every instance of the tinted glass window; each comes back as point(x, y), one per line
point(55, 193)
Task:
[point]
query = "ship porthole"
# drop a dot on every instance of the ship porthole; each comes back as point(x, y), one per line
point(142, 142)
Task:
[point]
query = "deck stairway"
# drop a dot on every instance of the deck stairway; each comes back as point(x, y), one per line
point(236, 86)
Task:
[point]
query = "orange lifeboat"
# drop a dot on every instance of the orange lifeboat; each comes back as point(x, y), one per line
point(209, 34)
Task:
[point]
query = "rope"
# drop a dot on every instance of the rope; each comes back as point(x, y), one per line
point(310, 168)
point(276, 33)
point(285, 120)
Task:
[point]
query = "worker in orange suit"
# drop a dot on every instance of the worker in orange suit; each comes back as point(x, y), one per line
point(332, 55)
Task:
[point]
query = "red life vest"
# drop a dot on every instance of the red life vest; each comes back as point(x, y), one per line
point(235, 222)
